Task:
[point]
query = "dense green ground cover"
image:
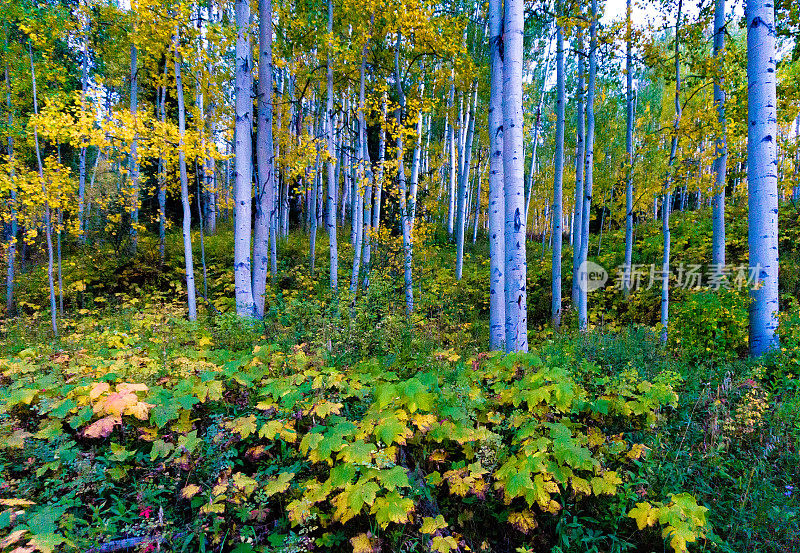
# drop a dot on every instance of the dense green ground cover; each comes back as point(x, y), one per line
point(343, 426)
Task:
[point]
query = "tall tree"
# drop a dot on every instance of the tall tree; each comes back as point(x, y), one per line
point(720, 163)
point(514, 179)
point(586, 210)
point(243, 153)
point(626, 276)
point(265, 156)
point(558, 179)
point(666, 206)
point(497, 295)
point(580, 157)
point(187, 206)
point(330, 215)
point(762, 177)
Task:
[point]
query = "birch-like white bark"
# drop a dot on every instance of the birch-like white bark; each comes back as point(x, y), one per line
point(514, 179)
point(580, 158)
point(558, 180)
point(243, 153)
point(588, 173)
point(626, 274)
point(762, 178)
point(721, 160)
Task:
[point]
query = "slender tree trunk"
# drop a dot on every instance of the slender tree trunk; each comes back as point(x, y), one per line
point(360, 197)
point(626, 276)
point(377, 188)
point(134, 159)
point(265, 191)
point(162, 171)
point(580, 157)
point(82, 155)
point(187, 207)
point(463, 178)
point(514, 179)
point(666, 208)
point(558, 208)
point(721, 161)
point(333, 186)
point(415, 162)
point(210, 169)
point(762, 179)
point(47, 221)
point(477, 205)
point(401, 185)
point(12, 227)
point(589, 173)
point(451, 142)
point(243, 152)
point(202, 238)
point(535, 143)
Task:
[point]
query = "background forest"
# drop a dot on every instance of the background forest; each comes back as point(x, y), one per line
point(292, 276)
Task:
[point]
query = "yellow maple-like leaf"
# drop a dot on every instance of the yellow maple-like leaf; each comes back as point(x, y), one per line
point(443, 544)
point(204, 342)
point(127, 387)
point(140, 410)
point(17, 439)
point(98, 389)
point(364, 543)
point(322, 410)
point(524, 521)
point(431, 525)
point(102, 428)
point(424, 422)
point(644, 514)
point(116, 403)
point(190, 491)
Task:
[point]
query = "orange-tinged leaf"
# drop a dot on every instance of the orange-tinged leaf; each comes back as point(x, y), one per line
point(98, 389)
point(101, 428)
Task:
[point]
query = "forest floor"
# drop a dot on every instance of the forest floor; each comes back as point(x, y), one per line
point(341, 425)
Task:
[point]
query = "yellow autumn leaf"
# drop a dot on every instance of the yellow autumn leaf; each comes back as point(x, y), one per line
point(524, 521)
point(190, 491)
point(364, 543)
point(98, 389)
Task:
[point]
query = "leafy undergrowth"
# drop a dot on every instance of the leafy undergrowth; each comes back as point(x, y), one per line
point(118, 435)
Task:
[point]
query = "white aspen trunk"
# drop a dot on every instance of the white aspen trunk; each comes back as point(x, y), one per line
point(82, 156)
point(463, 179)
point(243, 153)
point(48, 226)
point(415, 161)
point(377, 192)
point(666, 207)
point(451, 141)
point(514, 179)
point(762, 179)
point(359, 222)
point(626, 275)
point(162, 171)
point(477, 217)
point(580, 157)
point(401, 185)
point(558, 180)
point(721, 160)
point(187, 207)
point(265, 157)
point(586, 213)
point(134, 159)
point(210, 169)
point(330, 221)
point(12, 227)
point(535, 143)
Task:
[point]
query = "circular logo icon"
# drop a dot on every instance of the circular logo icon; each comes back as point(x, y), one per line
point(591, 276)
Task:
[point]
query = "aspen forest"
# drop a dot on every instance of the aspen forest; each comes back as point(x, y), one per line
point(503, 276)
